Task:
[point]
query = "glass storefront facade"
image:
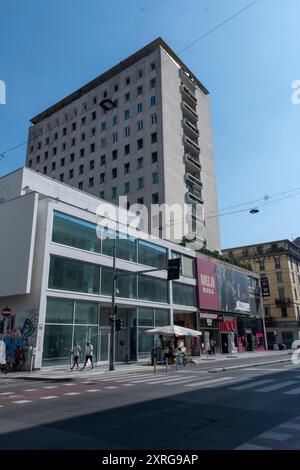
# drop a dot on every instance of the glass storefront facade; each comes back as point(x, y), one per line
point(70, 321)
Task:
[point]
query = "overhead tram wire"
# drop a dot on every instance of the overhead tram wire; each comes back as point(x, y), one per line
point(203, 36)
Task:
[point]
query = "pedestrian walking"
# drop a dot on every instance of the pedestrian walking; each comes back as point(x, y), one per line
point(88, 355)
point(76, 352)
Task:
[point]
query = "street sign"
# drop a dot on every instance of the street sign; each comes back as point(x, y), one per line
point(6, 312)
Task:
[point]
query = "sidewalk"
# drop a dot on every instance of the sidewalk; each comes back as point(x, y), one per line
point(223, 361)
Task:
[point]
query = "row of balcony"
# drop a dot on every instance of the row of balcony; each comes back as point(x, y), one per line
point(192, 128)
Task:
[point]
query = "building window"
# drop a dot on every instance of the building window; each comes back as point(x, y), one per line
point(139, 107)
point(127, 187)
point(281, 293)
point(81, 169)
point(80, 185)
point(153, 119)
point(154, 138)
point(105, 94)
point(71, 174)
point(127, 149)
point(103, 126)
point(115, 137)
point(38, 158)
point(54, 150)
point(139, 74)
point(184, 294)
point(261, 264)
point(73, 126)
point(153, 289)
point(92, 148)
point(152, 66)
point(127, 81)
point(284, 312)
point(151, 255)
point(93, 132)
point(154, 157)
point(53, 165)
point(154, 178)
point(30, 163)
point(82, 136)
point(61, 177)
point(127, 97)
point(114, 192)
point(62, 162)
point(126, 168)
point(140, 183)
point(277, 263)
point(155, 199)
point(83, 121)
point(126, 114)
point(153, 100)
point(140, 200)
point(102, 177)
point(45, 170)
point(64, 131)
point(91, 182)
point(140, 125)
point(279, 276)
point(102, 195)
point(93, 116)
point(140, 144)
point(267, 310)
point(114, 172)
point(139, 90)
point(153, 83)
point(95, 100)
point(55, 138)
point(295, 293)
point(116, 87)
point(103, 142)
point(73, 142)
point(114, 154)
point(92, 164)
point(82, 153)
point(75, 276)
point(115, 120)
point(102, 160)
point(140, 163)
point(31, 149)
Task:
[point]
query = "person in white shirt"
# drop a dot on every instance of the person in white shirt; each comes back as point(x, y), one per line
point(76, 352)
point(2, 356)
point(88, 355)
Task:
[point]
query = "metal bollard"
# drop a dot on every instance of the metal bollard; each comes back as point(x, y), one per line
point(155, 363)
point(167, 364)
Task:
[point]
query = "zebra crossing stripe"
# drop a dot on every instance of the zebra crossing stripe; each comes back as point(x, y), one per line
point(22, 402)
point(122, 378)
point(253, 384)
point(208, 382)
point(294, 391)
point(171, 380)
point(49, 397)
point(277, 386)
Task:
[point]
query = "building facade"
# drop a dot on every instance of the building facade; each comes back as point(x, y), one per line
point(278, 265)
point(141, 130)
point(57, 280)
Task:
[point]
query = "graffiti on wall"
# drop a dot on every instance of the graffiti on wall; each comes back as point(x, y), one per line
point(20, 336)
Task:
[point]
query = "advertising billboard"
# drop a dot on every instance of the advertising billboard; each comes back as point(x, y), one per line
point(207, 284)
point(233, 290)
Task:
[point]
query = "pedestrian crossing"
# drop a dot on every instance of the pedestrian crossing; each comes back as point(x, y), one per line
point(284, 387)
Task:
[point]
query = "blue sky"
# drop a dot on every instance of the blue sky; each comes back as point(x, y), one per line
point(50, 48)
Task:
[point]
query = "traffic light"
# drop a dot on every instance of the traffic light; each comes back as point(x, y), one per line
point(174, 269)
point(119, 323)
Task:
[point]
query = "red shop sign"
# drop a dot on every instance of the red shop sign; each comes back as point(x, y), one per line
point(228, 326)
point(6, 312)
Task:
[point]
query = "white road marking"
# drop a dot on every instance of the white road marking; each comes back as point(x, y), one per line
point(72, 393)
point(21, 402)
point(93, 390)
point(51, 386)
point(30, 390)
point(111, 387)
point(127, 385)
point(277, 386)
point(253, 384)
point(276, 436)
point(293, 391)
point(7, 393)
point(49, 397)
point(208, 382)
point(68, 385)
point(252, 447)
point(290, 426)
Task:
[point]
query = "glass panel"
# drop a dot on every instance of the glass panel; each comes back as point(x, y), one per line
point(162, 317)
point(71, 231)
point(126, 248)
point(85, 333)
point(104, 345)
point(187, 264)
point(127, 286)
point(105, 316)
point(146, 317)
point(108, 242)
point(73, 275)
point(153, 289)
point(106, 281)
point(183, 294)
point(145, 344)
point(86, 312)
point(57, 344)
point(151, 255)
point(59, 311)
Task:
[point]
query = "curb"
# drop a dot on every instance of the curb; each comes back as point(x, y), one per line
point(245, 366)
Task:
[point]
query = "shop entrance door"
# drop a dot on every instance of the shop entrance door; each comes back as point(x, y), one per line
point(127, 336)
point(249, 346)
point(224, 343)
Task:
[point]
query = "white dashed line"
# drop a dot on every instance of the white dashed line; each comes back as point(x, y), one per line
point(111, 387)
point(252, 447)
point(22, 402)
point(7, 393)
point(92, 390)
point(128, 385)
point(50, 397)
point(276, 436)
point(290, 426)
point(51, 386)
point(30, 390)
point(72, 393)
point(68, 385)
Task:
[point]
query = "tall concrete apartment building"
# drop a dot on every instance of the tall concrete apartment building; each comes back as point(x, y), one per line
point(278, 264)
point(141, 130)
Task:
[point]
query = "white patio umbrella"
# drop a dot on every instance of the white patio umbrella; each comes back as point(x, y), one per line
point(172, 330)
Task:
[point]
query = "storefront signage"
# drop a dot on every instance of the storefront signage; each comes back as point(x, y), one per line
point(228, 326)
point(243, 307)
point(210, 316)
point(207, 284)
point(265, 288)
point(233, 289)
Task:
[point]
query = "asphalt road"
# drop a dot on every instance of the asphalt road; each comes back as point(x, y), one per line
point(254, 408)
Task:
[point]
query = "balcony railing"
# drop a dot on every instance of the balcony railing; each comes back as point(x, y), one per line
point(191, 127)
point(188, 92)
point(191, 144)
point(195, 198)
point(193, 180)
point(195, 164)
point(187, 109)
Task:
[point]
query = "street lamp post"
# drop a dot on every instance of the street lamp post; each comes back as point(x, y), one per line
point(113, 310)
